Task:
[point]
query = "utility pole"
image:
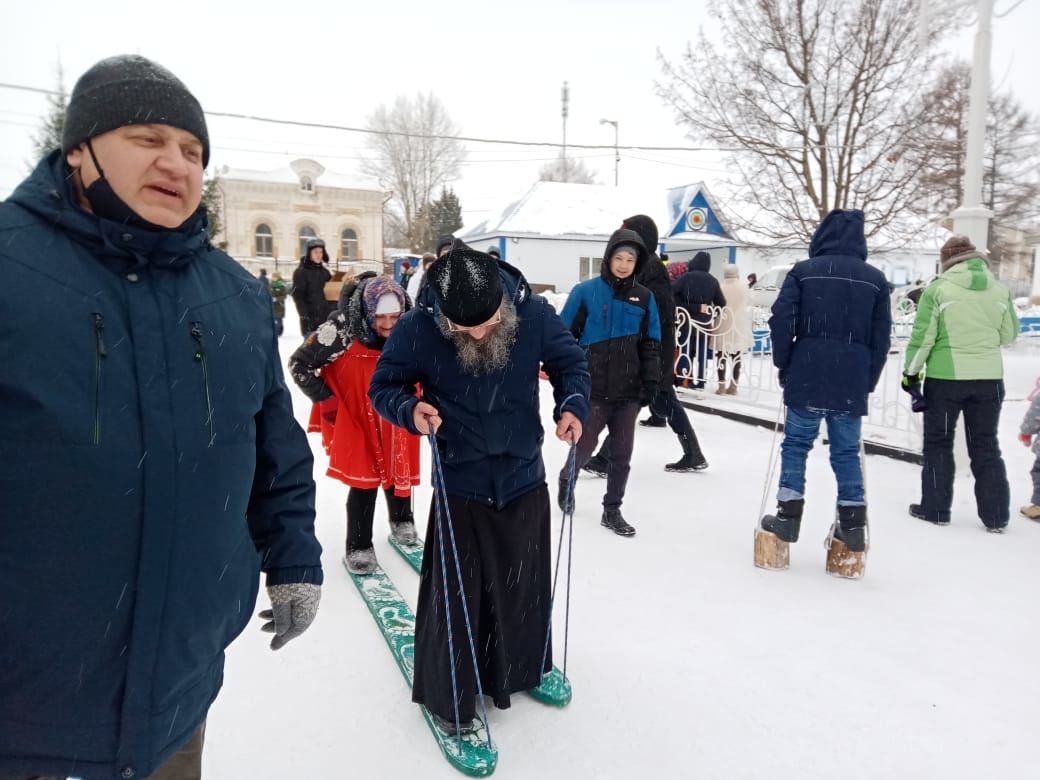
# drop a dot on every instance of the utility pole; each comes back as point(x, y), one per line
point(565, 99)
point(617, 154)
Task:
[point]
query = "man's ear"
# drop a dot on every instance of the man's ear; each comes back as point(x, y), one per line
point(75, 157)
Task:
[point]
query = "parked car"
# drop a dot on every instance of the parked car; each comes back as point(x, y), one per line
point(768, 285)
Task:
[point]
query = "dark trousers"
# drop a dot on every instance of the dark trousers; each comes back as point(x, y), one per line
point(1035, 474)
point(619, 418)
point(665, 406)
point(506, 571)
point(279, 326)
point(980, 401)
point(185, 764)
point(361, 509)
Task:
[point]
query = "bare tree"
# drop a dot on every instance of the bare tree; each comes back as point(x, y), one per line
point(1011, 174)
point(567, 169)
point(816, 100)
point(414, 153)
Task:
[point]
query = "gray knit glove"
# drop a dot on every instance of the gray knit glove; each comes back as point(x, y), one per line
point(293, 608)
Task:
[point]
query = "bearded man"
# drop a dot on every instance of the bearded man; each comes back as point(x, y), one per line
point(475, 342)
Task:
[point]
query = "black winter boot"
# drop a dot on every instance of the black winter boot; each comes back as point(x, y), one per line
point(597, 465)
point(787, 521)
point(935, 518)
point(852, 527)
point(653, 421)
point(613, 520)
point(692, 458)
point(402, 522)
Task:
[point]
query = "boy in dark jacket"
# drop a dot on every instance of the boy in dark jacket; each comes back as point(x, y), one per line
point(665, 408)
point(830, 328)
point(615, 320)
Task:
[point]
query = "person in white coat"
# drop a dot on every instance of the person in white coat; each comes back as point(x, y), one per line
point(734, 335)
point(416, 281)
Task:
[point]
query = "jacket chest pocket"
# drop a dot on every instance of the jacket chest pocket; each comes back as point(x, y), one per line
point(221, 382)
point(56, 385)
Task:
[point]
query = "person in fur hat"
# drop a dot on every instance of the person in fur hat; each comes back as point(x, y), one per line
point(333, 367)
point(474, 342)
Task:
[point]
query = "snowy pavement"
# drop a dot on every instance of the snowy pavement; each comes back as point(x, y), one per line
point(686, 660)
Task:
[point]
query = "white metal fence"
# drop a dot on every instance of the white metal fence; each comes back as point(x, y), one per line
point(889, 419)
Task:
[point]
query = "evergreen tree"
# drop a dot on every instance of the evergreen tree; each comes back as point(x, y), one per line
point(211, 200)
point(48, 137)
point(445, 213)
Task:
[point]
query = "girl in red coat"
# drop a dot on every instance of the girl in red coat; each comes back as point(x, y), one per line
point(333, 367)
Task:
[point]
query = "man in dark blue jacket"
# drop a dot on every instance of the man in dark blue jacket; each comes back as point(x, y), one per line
point(474, 343)
point(152, 466)
point(830, 328)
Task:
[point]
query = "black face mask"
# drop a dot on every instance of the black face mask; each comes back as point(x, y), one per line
point(106, 204)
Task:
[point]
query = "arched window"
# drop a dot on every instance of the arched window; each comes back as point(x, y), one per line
point(306, 234)
point(263, 241)
point(306, 184)
point(348, 247)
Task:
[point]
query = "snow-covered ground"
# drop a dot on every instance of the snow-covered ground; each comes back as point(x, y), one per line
point(686, 660)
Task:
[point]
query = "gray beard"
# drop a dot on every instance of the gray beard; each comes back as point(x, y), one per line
point(492, 352)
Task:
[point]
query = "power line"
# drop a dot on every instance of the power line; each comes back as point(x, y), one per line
point(435, 137)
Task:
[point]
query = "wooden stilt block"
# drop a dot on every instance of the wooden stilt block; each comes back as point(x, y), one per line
point(842, 562)
point(770, 551)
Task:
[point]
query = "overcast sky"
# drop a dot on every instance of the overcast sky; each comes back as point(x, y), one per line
point(497, 68)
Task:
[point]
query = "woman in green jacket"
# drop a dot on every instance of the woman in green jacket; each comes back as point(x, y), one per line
point(964, 317)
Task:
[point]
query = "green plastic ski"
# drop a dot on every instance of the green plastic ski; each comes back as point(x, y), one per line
point(554, 690)
point(471, 754)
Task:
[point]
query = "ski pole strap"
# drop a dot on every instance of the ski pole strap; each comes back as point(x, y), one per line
point(572, 458)
point(441, 499)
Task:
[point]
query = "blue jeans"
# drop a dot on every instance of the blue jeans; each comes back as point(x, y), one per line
point(800, 431)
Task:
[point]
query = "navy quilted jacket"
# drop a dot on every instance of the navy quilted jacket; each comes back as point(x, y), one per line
point(150, 467)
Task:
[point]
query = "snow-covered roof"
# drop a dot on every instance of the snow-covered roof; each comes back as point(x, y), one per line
point(290, 174)
point(552, 208)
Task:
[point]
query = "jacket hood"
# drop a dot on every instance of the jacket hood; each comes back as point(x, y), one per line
point(646, 228)
point(700, 262)
point(971, 274)
point(48, 193)
point(654, 270)
point(514, 287)
point(625, 236)
point(840, 233)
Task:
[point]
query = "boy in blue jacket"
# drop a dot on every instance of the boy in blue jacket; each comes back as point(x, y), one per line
point(615, 319)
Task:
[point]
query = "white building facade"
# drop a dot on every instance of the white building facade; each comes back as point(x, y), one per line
point(268, 216)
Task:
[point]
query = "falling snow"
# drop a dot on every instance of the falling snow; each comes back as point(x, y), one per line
point(686, 660)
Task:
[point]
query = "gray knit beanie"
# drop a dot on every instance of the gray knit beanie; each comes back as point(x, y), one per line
point(130, 90)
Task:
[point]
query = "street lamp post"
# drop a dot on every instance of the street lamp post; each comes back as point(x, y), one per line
point(617, 154)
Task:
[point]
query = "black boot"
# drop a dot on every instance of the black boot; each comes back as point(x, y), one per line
point(613, 520)
point(787, 521)
point(692, 458)
point(935, 518)
point(597, 465)
point(851, 528)
point(653, 421)
point(402, 522)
